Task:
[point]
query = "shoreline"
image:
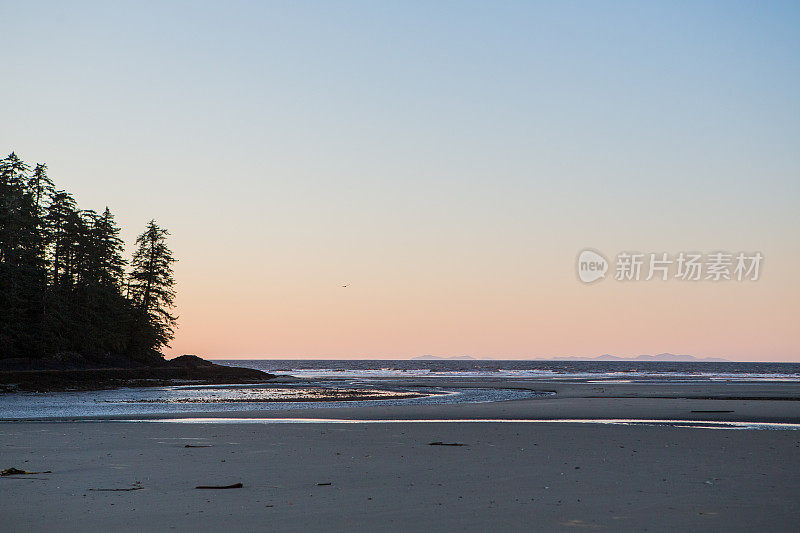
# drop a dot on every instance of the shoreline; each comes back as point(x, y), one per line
point(731, 402)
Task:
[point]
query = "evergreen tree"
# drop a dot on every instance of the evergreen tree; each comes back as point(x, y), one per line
point(150, 286)
point(41, 187)
point(61, 221)
point(104, 313)
point(109, 263)
point(21, 261)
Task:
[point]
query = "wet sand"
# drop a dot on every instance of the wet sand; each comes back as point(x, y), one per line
point(517, 476)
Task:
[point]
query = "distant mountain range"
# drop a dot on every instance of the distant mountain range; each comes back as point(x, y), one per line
point(454, 358)
point(605, 357)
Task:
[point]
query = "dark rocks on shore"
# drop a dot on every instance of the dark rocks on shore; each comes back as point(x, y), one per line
point(75, 372)
point(189, 361)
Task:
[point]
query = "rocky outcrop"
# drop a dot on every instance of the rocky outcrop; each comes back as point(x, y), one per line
point(77, 373)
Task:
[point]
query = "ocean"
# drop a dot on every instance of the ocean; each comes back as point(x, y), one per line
point(641, 371)
point(372, 377)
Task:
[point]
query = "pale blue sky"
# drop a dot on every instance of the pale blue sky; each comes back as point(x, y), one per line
point(342, 139)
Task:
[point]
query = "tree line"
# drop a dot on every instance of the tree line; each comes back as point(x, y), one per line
point(65, 286)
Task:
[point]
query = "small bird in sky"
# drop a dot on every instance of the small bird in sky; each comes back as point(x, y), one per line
point(344, 285)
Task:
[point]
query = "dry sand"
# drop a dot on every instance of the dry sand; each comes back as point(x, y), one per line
point(513, 476)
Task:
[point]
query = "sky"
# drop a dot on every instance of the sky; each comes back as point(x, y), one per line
point(447, 161)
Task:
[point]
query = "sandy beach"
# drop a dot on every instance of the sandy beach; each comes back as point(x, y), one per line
point(342, 476)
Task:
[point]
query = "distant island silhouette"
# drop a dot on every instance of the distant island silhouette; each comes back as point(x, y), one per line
point(453, 358)
point(666, 357)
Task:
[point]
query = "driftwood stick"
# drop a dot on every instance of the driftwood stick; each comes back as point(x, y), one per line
point(234, 486)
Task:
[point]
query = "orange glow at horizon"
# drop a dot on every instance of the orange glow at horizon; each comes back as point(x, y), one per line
point(521, 315)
